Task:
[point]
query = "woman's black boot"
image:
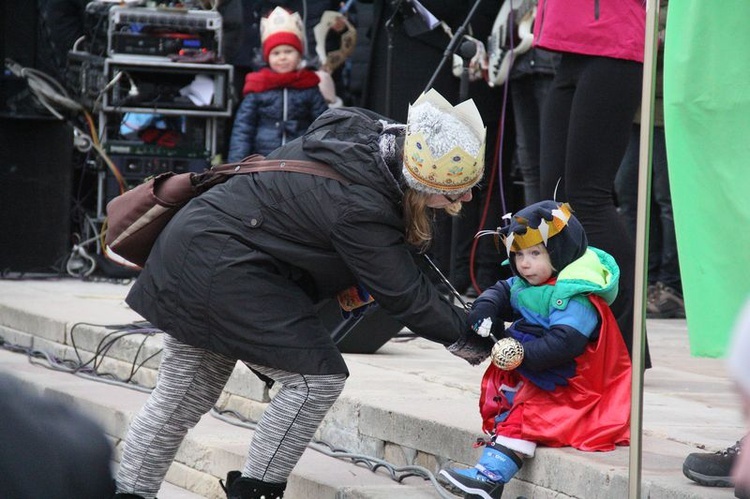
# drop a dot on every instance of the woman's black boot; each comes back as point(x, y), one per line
point(128, 496)
point(240, 487)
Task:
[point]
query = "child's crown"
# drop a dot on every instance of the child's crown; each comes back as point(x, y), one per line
point(539, 235)
point(281, 27)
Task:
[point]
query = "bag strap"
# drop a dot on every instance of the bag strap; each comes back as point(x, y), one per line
point(257, 163)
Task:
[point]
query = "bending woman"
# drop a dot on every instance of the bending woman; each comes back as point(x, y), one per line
point(237, 273)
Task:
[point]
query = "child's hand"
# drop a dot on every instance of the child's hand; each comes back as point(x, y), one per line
point(483, 327)
point(479, 312)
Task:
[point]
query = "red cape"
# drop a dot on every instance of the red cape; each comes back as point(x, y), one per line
point(591, 413)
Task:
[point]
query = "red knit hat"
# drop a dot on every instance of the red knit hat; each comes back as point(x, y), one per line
point(281, 27)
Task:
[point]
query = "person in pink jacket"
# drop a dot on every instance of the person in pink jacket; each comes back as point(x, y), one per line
point(586, 120)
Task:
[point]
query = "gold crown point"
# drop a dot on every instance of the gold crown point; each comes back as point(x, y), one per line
point(466, 111)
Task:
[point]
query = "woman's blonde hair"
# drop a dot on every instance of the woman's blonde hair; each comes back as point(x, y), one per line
point(419, 218)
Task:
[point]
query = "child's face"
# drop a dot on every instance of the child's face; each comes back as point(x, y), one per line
point(533, 264)
point(284, 59)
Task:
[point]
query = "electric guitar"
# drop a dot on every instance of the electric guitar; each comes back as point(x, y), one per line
point(501, 48)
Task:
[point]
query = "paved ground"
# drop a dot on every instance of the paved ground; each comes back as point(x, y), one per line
point(410, 403)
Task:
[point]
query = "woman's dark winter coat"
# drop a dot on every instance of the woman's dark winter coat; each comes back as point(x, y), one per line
point(267, 120)
point(240, 268)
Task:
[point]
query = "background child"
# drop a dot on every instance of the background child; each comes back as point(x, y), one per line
point(572, 386)
point(280, 101)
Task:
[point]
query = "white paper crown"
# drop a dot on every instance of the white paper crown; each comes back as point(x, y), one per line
point(444, 145)
point(281, 20)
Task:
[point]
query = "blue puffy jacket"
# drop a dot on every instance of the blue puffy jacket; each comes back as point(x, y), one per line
point(270, 119)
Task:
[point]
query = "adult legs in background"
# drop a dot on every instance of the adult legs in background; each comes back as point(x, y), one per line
point(626, 182)
point(626, 187)
point(669, 302)
point(585, 130)
point(189, 383)
point(665, 285)
point(669, 268)
point(527, 95)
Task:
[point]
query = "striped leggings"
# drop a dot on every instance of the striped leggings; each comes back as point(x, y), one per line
point(189, 383)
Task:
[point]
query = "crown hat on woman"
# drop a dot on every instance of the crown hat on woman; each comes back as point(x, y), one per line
point(281, 27)
point(444, 145)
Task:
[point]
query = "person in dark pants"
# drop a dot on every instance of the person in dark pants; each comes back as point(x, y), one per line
point(664, 295)
point(587, 118)
point(530, 79)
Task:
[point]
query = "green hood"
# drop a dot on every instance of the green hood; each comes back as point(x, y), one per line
point(596, 272)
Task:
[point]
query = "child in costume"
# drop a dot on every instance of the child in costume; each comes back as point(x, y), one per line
point(560, 373)
point(281, 100)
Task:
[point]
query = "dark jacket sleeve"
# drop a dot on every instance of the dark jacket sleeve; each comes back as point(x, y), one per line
point(565, 339)
point(244, 129)
point(378, 255)
point(493, 303)
point(559, 345)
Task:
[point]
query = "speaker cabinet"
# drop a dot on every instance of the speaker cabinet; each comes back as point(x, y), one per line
point(35, 193)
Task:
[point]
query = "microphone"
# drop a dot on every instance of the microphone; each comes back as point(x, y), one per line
point(467, 50)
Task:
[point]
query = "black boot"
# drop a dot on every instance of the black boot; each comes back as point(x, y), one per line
point(128, 496)
point(240, 487)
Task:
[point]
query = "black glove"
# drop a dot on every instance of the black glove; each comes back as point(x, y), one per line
point(472, 348)
point(479, 312)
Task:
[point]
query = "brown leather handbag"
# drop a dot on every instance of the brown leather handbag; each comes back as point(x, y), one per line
point(136, 218)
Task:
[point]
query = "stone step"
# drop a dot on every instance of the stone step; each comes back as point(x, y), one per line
point(213, 447)
point(410, 404)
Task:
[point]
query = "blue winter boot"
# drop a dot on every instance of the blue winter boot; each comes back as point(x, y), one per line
point(488, 477)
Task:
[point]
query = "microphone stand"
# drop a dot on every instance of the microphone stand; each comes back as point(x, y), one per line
point(467, 51)
point(389, 57)
point(453, 44)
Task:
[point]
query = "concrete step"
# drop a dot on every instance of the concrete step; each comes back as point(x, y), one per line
point(212, 448)
point(409, 404)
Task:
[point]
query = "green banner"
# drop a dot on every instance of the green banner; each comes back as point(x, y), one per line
point(707, 125)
